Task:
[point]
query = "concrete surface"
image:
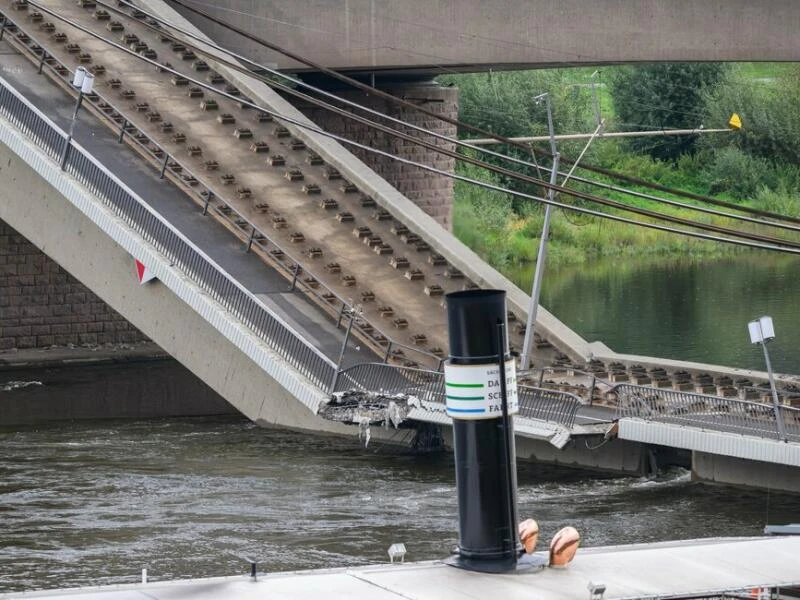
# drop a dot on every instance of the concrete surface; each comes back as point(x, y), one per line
point(668, 569)
point(418, 37)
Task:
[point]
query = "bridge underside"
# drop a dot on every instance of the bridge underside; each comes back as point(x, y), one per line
point(416, 37)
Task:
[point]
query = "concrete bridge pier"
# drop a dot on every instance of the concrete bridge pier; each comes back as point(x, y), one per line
point(432, 193)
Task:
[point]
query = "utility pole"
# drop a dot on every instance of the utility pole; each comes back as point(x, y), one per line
point(542, 255)
point(533, 308)
point(595, 102)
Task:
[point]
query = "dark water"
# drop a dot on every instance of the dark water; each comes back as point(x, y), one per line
point(681, 309)
point(93, 503)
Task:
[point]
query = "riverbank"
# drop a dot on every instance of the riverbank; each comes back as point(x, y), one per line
point(136, 381)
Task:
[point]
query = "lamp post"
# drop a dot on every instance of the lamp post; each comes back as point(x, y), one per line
point(84, 81)
point(761, 331)
point(354, 312)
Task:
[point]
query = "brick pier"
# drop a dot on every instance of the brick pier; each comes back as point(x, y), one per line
point(432, 193)
point(42, 305)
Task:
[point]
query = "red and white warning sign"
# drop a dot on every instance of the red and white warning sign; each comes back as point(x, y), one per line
point(143, 272)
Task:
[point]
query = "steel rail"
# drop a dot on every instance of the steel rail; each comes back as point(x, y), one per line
point(709, 412)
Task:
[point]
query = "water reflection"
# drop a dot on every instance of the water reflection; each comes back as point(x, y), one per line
point(683, 309)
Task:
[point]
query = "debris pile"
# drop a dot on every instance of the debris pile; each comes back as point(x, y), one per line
point(365, 409)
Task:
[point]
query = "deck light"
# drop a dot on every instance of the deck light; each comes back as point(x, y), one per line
point(397, 551)
point(596, 590)
point(762, 331)
point(84, 81)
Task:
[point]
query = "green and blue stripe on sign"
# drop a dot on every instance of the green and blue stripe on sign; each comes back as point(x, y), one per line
point(464, 392)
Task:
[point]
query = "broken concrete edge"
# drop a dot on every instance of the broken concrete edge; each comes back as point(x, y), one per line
point(370, 183)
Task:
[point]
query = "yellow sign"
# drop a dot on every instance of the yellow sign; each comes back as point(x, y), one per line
point(735, 121)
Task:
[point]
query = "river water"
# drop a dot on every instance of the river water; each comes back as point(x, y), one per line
point(94, 503)
point(682, 309)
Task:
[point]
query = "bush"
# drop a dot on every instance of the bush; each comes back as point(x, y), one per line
point(741, 175)
point(663, 96)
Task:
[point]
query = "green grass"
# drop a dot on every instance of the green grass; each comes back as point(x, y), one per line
point(763, 70)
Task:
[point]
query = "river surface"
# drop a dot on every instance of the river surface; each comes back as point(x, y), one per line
point(682, 309)
point(94, 503)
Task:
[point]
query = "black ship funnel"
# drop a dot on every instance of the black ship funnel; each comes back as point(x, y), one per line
point(481, 398)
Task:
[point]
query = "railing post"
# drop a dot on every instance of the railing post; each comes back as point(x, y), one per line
point(122, 130)
point(781, 429)
point(164, 166)
point(41, 61)
point(591, 389)
point(342, 351)
point(250, 239)
point(541, 378)
point(388, 352)
point(341, 314)
point(297, 270)
point(209, 198)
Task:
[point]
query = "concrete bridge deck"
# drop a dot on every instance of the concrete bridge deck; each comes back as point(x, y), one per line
point(175, 206)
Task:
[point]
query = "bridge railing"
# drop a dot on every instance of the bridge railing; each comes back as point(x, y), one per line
point(534, 403)
point(269, 327)
point(707, 412)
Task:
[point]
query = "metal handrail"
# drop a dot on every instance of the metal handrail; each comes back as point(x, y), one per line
point(534, 403)
point(160, 158)
point(268, 326)
point(708, 412)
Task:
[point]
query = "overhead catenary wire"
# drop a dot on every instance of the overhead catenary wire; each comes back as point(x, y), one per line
point(402, 135)
point(760, 242)
point(399, 101)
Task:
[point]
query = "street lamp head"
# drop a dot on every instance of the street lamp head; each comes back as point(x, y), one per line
point(78, 77)
point(761, 330)
point(87, 84)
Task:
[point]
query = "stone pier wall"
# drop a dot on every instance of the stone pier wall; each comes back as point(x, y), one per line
point(431, 192)
point(42, 305)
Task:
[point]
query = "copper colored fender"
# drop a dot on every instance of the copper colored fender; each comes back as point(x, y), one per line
point(563, 547)
point(529, 535)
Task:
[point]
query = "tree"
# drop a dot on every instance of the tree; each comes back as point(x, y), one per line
point(503, 103)
point(663, 96)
